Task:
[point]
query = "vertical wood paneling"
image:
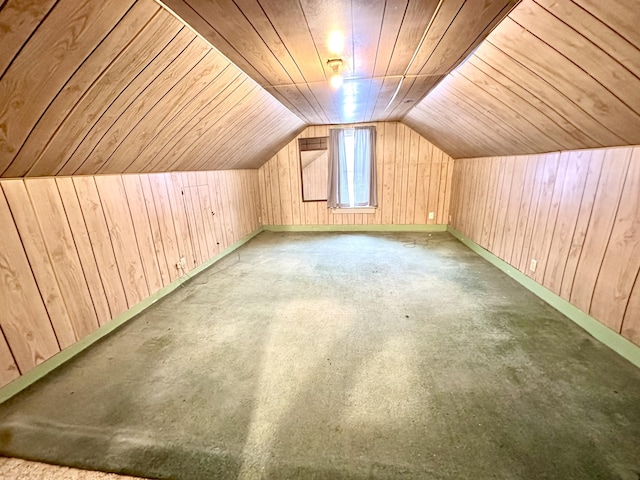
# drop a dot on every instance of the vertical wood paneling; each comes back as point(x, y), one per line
point(577, 216)
point(413, 179)
point(154, 225)
point(166, 228)
point(123, 238)
point(64, 255)
point(8, 368)
point(621, 262)
point(98, 230)
point(83, 245)
point(142, 228)
point(76, 252)
point(24, 320)
point(41, 265)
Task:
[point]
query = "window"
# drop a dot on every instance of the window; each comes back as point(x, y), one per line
point(352, 168)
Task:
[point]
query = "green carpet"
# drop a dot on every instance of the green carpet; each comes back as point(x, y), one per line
point(340, 356)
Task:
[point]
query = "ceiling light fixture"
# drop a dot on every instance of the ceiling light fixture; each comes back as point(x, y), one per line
point(335, 64)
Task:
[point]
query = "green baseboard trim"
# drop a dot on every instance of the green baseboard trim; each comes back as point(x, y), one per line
point(36, 373)
point(355, 228)
point(599, 331)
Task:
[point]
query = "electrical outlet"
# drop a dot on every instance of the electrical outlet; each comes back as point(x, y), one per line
point(431, 215)
point(533, 265)
point(183, 262)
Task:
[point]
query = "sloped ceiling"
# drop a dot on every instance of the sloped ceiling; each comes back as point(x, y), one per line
point(93, 86)
point(394, 51)
point(89, 86)
point(554, 75)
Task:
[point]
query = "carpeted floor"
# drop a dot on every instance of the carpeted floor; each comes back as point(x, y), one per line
point(340, 356)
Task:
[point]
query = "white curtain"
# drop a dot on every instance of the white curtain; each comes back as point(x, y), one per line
point(361, 160)
point(364, 167)
point(336, 152)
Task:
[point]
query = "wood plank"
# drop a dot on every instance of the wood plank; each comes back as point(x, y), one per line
point(614, 171)
point(621, 15)
point(25, 324)
point(219, 115)
point(570, 79)
point(8, 368)
point(207, 213)
point(236, 30)
point(98, 231)
point(85, 250)
point(143, 154)
point(61, 246)
point(411, 150)
point(158, 106)
point(108, 130)
point(142, 229)
point(580, 50)
point(594, 28)
point(57, 48)
point(214, 192)
point(631, 323)
point(198, 215)
point(524, 210)
point(417, 17)
point(128, 66)
point(17, 22)
point(551, 220)
point(166, 225)
point(33, 243)
point(546, 97)
point(296, 23)
point(572, 193)
point(190, 207)
point(154, 224)
point(443, 193)
point(543, 206)
point(490, 206)
point(503, 208)
point(79, 85)
point(621, 262)
point(582, 223)
point(179, 215)
point(434, 189)
point(511, 224)
point(123, 238)
point(268, 32)
point(472, 23)
point(504, 78)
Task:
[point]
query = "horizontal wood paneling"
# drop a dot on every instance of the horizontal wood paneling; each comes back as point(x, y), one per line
point(554, 75)
point(576, 213)
point(414, 179)
point(91, 87)
point(405, 46)
point(76, 252)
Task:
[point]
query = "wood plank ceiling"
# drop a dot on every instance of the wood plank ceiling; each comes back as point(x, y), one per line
point(88, 86)
point(555, 75)
point(394, 53)
point(91, 87)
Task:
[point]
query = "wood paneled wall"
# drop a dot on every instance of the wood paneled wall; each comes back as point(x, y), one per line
point(414, 178)
point(554, 75)
point(88, 87)
point(77, 251)
point(576, 212)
